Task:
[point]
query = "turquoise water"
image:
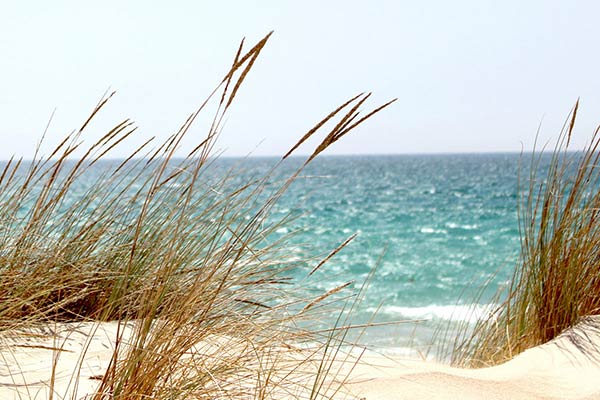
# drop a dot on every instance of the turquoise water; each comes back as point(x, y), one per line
point(434, 226)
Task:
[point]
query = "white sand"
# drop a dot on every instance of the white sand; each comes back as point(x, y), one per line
point(556, 370)
point(26, 363)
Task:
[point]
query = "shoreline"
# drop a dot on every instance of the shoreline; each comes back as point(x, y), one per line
point(567, 367)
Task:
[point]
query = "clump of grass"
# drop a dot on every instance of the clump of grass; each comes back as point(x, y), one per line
point(172, 252)
point(557, 280)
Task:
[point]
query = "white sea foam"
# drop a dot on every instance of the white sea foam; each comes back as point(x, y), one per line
point(432, 230)
point(454, 225)
point(467, 312)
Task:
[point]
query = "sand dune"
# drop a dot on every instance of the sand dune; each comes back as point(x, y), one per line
point(565, 368)
point(556, 370)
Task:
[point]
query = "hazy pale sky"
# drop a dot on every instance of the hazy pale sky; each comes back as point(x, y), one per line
point(471, 76)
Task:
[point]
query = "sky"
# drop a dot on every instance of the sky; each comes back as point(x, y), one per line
point(470, 76)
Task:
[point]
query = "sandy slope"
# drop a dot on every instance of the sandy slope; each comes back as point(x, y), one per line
point(555, 370)
point(559, 369)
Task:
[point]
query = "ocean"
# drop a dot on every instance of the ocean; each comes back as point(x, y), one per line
point(430, 231)
point(433, 228)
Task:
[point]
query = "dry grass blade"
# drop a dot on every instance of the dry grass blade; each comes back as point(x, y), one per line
point(336, 134)
point(252, 55)
point(95, 111)
point(572, 124)
point(363, 119)
point(229, 77)
point(6, 169)
point(320, 124)
point(256, 48)
point(327, 294)
point(333, 253)
point(331, 137)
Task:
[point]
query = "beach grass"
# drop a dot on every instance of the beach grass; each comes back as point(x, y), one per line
point(556, 283)
point(178, 255)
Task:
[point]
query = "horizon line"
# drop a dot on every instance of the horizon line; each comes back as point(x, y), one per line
point(296, 156)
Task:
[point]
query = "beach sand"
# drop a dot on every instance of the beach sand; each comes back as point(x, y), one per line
point(555, 370)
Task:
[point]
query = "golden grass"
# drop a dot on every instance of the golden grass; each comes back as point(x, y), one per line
point(177, 257)
point(557, 281)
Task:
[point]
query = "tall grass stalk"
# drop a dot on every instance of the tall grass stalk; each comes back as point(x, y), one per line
point(179, 257)
point(557, 280)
